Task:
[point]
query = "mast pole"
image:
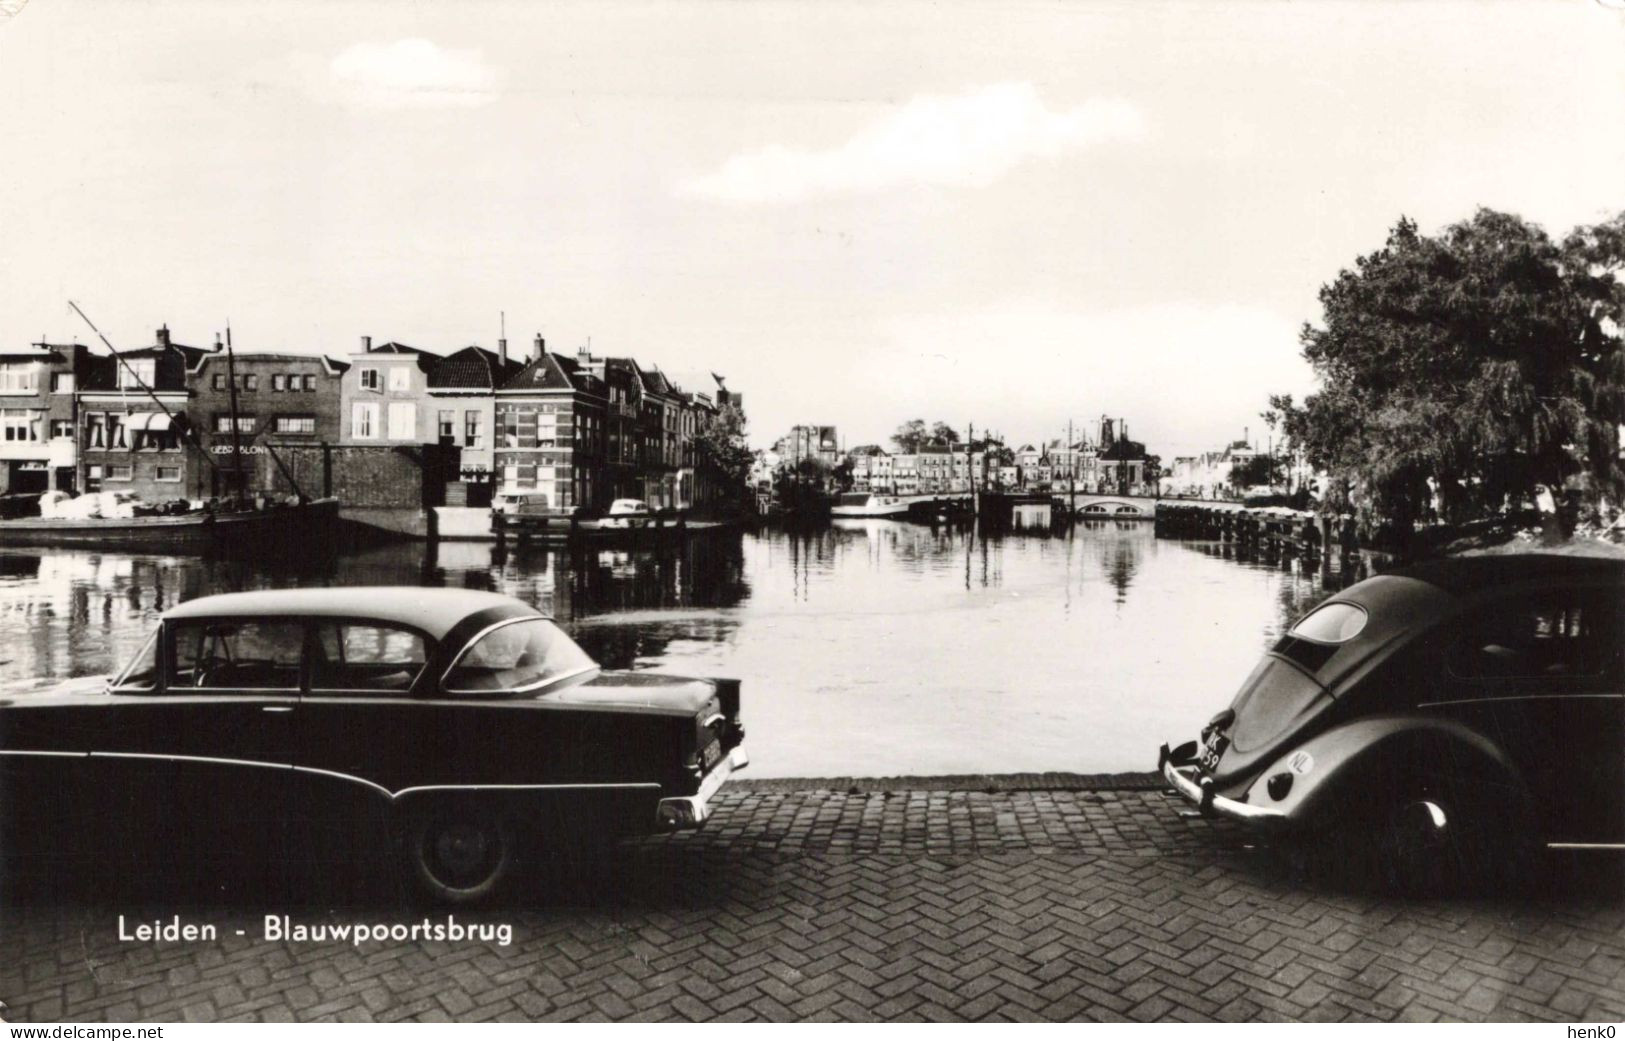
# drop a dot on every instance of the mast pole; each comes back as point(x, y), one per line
point(236, 437)
point(139, 382)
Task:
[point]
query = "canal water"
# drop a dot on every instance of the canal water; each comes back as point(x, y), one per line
point(867, 648)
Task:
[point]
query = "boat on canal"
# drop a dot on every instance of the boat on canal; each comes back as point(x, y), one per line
point(869, 504)
point(202, 529)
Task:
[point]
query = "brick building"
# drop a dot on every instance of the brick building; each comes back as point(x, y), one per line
point(38, 407)
point(127, 408)
point(550, 427)
point(281, 399)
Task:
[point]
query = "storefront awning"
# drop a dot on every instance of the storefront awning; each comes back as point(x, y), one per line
point(149, 421)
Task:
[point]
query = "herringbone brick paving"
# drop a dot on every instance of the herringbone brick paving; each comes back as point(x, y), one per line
point(913, 905)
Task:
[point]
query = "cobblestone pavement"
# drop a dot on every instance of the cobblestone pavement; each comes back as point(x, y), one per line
point(874, 905)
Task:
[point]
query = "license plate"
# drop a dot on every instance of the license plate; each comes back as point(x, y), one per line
point(1209, 759)
point(710, 754)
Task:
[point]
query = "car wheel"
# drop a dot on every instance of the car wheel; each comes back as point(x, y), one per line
point(459, 854)
point(1434, 840)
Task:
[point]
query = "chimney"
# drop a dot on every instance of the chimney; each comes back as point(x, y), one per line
point(163, 335)
point(540, 347)
point(366, 343)
point(217, 344)
point(502, 352)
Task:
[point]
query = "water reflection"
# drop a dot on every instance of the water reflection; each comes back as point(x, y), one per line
point(867, 647)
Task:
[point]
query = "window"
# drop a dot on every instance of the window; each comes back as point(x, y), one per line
point(519, 655)
point(61, 383)
point(474, 428)
point(1557, 635)
point(364, 421)
point(94, 472)
point(238, 655)
point(19, 425)
point(222, 424)
point(448, 426)
point(251, 382)
point(137, 373)
point(61, 428)
point(120, 472)
point(400, 378)
point(17, 378)
point(366, 658)
point(116, 434)
point(167, 474)
point(1331, 623)
point(309, 383)
point(370, 380)
point(403, 421)
point(95, 430)
point(219, 381)
point(278, 382)
point(142, 672)
point(508, 429)
point(296, 424)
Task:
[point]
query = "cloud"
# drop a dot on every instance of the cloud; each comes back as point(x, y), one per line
point(411, 73)
point(966, 140)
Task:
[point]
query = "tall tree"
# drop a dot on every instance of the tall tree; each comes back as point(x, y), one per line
point(943, 434)
point(721, 446)
point(1482, 365)
point(911, 436)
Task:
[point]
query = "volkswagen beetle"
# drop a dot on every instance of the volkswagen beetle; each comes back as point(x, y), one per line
point(1445, 719)
point(456, 727)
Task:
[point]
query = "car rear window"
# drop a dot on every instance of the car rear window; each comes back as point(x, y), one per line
point(517, 656)
point(1331, 623)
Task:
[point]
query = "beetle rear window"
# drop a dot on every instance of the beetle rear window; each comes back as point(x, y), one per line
point(1331, 623)
point(517, 656)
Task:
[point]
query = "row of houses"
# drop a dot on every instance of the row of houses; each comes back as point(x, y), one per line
point(169, 421)
point(1121, 464)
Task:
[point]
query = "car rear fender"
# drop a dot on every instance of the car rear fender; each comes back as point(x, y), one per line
point(1358, 767)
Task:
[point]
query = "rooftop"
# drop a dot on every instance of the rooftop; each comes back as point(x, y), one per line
point(434, 611)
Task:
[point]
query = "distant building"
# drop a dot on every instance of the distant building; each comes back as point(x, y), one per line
point(385, 395)
point(1122, 462)
point(461, 396)
point(128, 408)
point(281, 399)
point(550, 422)
point(809, 442)
point(38, 407)
point(905, 471)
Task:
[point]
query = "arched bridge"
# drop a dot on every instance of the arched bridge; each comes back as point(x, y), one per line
point(1104, 506)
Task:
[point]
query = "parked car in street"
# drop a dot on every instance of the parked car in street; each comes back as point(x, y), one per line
point(1446, 720)
point(627, 513)
point(458, 728)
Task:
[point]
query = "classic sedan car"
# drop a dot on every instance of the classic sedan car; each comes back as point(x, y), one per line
point(1446, 719)
point(457, 727)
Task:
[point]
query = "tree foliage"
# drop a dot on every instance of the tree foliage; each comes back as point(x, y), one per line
point(720, 443)
point(915, 435)
point(1482, 366)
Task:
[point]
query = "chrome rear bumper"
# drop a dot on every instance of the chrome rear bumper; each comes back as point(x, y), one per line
point(1201, 793)
point(691, 811)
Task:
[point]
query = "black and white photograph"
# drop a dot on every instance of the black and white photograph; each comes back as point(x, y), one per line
point(669, 511)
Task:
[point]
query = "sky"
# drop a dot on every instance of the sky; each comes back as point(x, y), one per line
point(1012, 215)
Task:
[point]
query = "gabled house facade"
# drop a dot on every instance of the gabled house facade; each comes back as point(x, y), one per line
point(461, 401)
point(550, 432)
point(384, 396)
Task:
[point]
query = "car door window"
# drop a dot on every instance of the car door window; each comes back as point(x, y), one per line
point(237, 655)
point(1574, 634)
point(364, 657)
